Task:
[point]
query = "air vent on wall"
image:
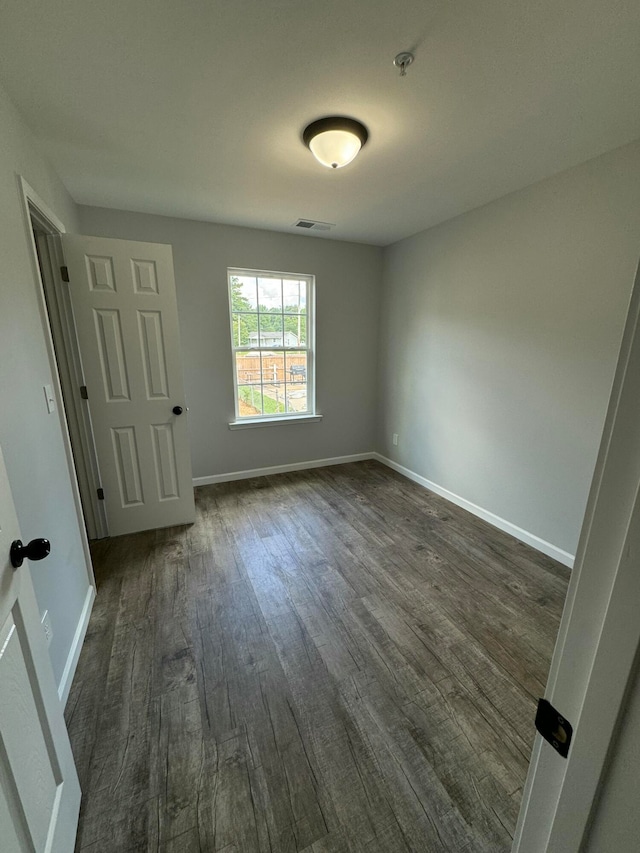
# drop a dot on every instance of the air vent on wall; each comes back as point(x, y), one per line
point(312, 225)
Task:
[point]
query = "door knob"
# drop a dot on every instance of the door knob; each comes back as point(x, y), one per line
point(177, 410)
point(37, 549)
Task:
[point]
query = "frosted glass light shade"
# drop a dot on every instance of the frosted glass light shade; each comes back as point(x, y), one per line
point(335, 148)
point(335, 141)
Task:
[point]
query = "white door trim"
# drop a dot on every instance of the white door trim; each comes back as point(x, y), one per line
point(600, 632)
point(77, 410)
point(29, 199)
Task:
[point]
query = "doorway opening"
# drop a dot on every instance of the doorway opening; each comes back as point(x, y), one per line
point(61, 326)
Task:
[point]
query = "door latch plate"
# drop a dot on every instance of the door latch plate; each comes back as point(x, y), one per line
point(553, 727)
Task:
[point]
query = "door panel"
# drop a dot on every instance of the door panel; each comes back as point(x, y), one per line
point(39, 790)
point(165, 459)
point(153, 352)
point(145, 276)
point(128, 466)
point(100, 272)
point(35, 777)
point(124, 303)
point(111, 350)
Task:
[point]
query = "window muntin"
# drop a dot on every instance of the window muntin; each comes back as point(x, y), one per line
point(271, 336)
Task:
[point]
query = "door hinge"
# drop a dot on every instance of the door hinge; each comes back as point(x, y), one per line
point(553, 727)
point(100, 494)
point(64, 272)
point(83, 392)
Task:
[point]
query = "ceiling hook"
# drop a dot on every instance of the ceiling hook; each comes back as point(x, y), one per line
point(403, 61)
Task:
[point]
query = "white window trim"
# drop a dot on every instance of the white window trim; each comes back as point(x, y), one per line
point(310, 416)
point(249, 423)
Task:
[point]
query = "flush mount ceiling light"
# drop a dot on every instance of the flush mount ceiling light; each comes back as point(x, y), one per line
point(335, 140)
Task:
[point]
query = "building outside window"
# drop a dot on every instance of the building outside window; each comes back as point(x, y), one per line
point(272, 337)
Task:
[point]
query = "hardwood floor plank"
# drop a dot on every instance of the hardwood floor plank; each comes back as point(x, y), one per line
point(179, 762)
point(327, 661)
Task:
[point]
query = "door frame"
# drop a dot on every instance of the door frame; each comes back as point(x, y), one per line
point(71, 374)
point(60, 333)
point(32, 203)
point(599, 636)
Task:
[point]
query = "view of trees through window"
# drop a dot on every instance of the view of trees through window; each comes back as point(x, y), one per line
point(269, 317)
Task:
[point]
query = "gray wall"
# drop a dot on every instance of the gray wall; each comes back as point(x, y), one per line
point(31, 439)
point(348, 279)
point(500, 331)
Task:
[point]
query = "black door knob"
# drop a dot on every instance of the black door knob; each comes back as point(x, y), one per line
point(37, 549)
point(177, 410)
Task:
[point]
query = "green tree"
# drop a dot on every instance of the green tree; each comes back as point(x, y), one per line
point(238, 301)
point(243, 324)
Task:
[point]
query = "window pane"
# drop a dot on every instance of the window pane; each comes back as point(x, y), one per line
point(294, 295)
point(249, 401)
point(295, 327)
point(296, 369)
point(244, 330)
point(247, 368)
point(270, 294)
point(297, 398)
point(296, 366)
point(273, 367)
point(273, 398)
point(273, 386)
point(244, 296)
point(271, 330)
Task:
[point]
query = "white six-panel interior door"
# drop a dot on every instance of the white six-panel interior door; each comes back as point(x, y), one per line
point(39, 790)
point(124, 304)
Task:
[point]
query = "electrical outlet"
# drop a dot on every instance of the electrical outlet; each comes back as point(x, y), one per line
point(46, 627)
point(395, 439)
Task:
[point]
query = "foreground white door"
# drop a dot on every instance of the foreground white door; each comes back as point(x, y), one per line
point(124, 304)
point(599, 639)
point(39, 790)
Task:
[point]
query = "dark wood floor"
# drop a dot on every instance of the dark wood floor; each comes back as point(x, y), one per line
point(332, 660)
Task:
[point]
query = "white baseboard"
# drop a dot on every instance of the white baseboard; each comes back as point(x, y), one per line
point(76, 647)
point(280, 469)
point(502, 524)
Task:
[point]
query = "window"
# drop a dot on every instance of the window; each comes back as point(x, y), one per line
point(272, 336)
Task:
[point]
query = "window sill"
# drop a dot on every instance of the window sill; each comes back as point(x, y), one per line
point(267, 422)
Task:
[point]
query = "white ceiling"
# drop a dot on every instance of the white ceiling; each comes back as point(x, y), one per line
point(195, 108)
